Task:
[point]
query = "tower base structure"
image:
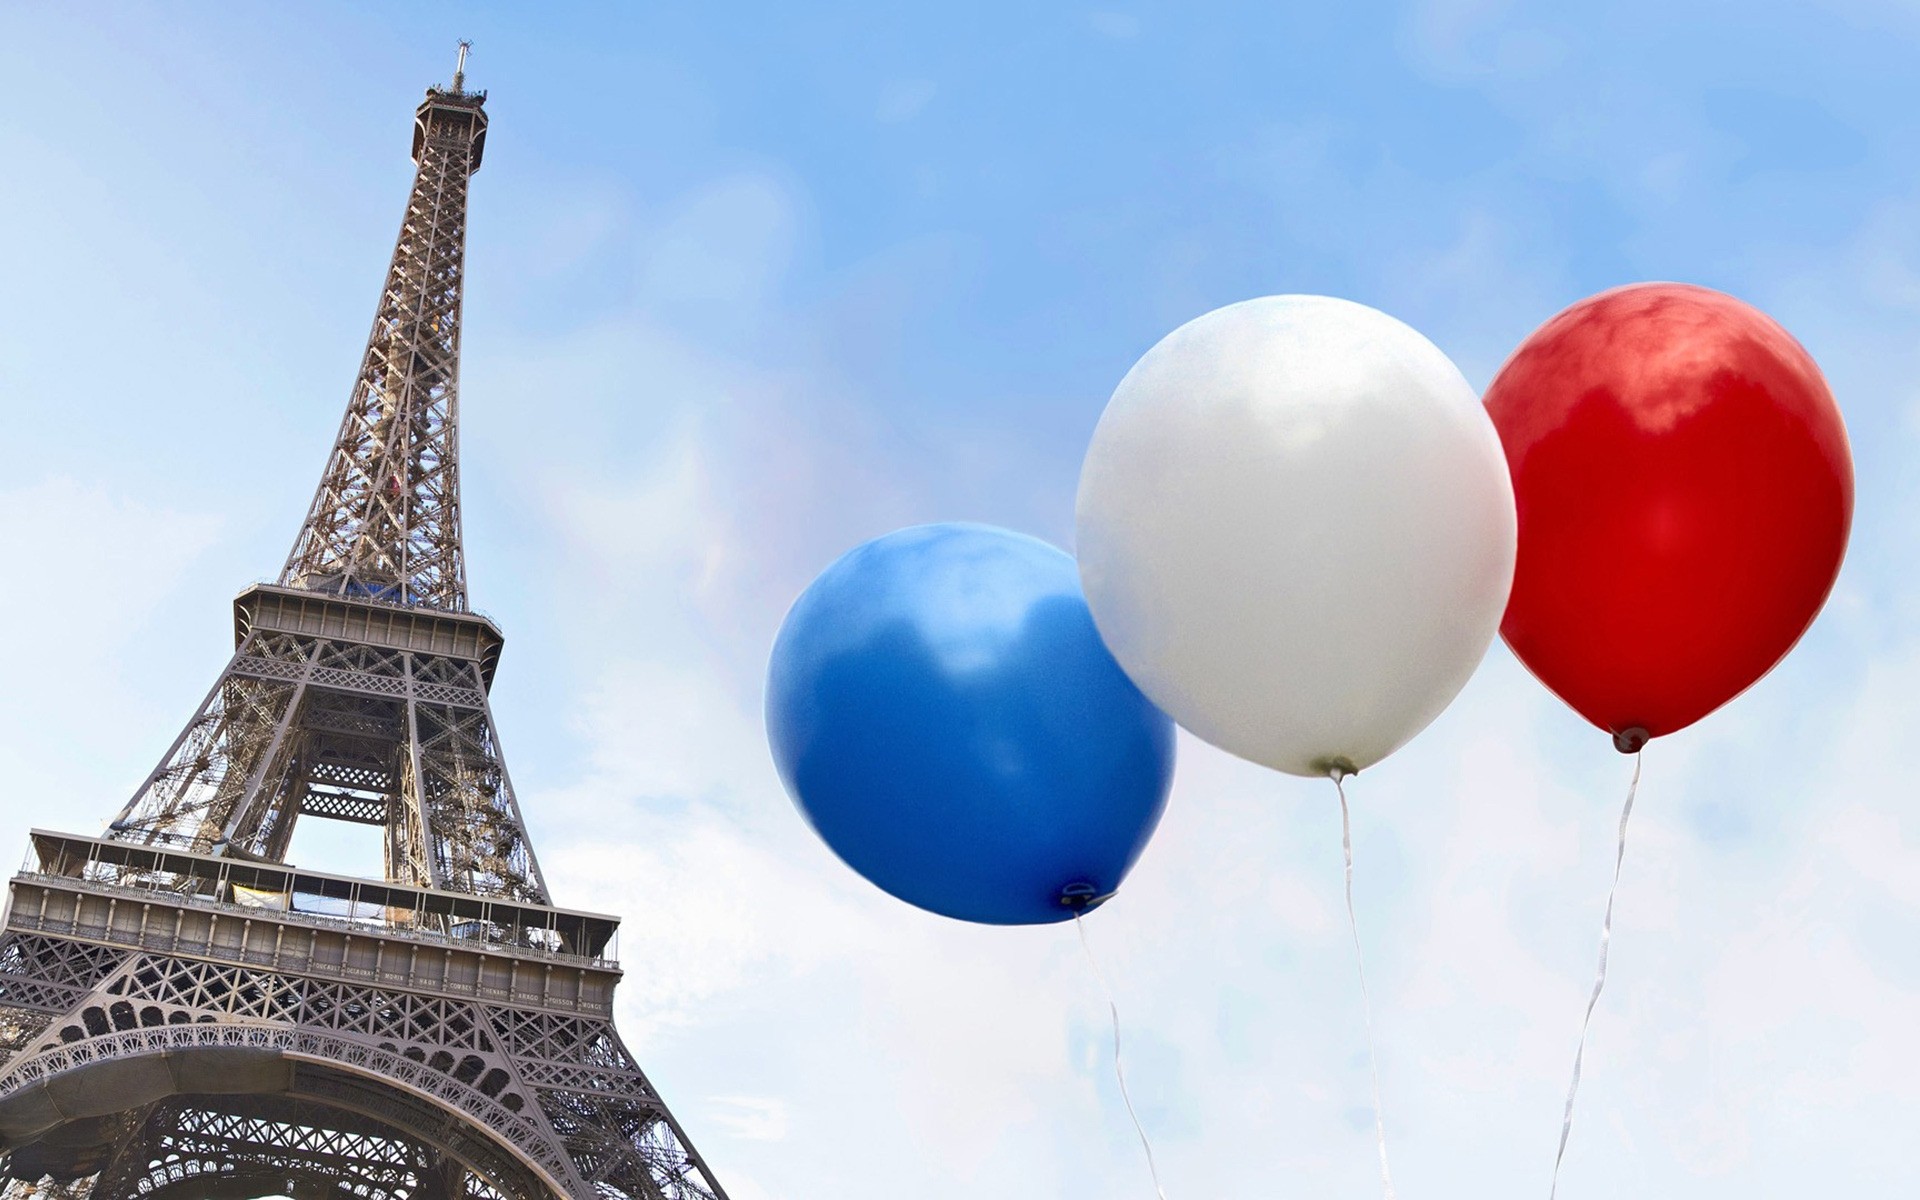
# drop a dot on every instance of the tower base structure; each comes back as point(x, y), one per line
point(184, 1026)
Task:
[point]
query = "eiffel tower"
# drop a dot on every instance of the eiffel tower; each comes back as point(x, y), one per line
point(185, 1015)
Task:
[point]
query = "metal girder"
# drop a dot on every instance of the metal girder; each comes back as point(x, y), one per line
point(385, 521)
point(327, 727)
point(217, 1062)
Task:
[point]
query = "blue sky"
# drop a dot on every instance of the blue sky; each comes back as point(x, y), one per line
point(747, 286)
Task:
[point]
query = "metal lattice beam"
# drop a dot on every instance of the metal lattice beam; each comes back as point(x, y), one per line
point(385, 521)
point(336, 729)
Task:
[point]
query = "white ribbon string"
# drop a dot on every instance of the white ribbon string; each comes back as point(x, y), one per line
point(1118, 1072)
point(1600, 980)
point(1366, 1002)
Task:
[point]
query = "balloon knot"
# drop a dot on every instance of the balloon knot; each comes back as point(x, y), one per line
point(1083, 897)
point(1629, 741)
point(1337, 767)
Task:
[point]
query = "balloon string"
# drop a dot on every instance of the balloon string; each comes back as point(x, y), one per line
point(1366, 1001)
point(1600, 980)
point(1118, 1072)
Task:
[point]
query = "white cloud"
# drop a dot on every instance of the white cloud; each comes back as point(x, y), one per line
point(821, 1039)
point(904, 100)
point(752, 1118)
point(726, 244)
point(89, 570)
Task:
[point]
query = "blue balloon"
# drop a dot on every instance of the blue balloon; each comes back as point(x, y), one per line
point(946, 716)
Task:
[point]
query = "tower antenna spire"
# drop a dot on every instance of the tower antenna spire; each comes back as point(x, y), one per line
point(460, 67)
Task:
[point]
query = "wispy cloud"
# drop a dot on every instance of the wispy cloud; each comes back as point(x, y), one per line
point(903, 101)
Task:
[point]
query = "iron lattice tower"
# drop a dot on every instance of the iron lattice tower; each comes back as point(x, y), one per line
point(185, 1015)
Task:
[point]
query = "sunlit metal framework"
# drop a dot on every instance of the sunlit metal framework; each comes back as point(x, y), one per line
point(184, 1015)
point(385, 520)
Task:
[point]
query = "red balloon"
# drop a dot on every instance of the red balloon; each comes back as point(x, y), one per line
point(1684, 492)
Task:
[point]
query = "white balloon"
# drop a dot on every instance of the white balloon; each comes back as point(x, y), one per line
point(1296, 531)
